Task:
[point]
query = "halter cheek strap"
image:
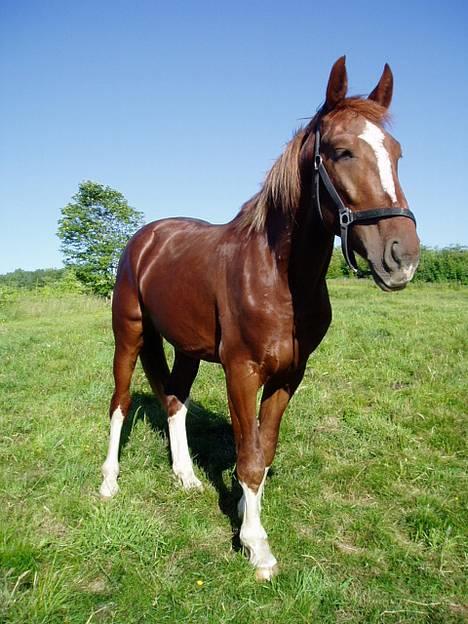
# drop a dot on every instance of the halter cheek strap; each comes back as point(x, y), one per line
point(345, 216)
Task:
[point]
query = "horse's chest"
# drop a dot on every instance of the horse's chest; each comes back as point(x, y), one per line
point(311, 326)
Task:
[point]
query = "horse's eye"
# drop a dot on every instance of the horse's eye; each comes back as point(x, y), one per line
point(343, 154)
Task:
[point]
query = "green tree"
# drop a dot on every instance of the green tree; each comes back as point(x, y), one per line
point(94, 228)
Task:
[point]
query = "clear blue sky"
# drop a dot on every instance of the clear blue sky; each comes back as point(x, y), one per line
point(183, 106)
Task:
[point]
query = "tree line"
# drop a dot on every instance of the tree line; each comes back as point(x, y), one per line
point(96, 225)
point(449, 264)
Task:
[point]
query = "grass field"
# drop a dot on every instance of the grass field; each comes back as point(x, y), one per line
point(364, 507)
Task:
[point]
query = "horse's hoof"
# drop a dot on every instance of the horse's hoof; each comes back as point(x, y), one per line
point(108, 489)
point(266, 574)
point(190, 482)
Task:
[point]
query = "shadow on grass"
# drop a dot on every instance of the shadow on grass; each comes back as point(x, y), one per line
point(211, 444)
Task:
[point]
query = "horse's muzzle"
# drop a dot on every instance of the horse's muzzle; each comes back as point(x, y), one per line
point(394, 280)
point(395, 265)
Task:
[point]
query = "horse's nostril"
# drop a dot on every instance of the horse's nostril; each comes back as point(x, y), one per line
point(392, 255)
point(396, 252)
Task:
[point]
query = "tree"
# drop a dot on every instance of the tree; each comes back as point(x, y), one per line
point(94, 229)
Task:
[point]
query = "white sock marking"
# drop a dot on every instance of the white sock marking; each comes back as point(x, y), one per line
point(110, 468)
point(241, 503)
point(181, 460)
point(374, 136)
point(252, 534)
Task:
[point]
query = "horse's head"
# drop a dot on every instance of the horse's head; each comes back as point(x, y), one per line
point(360, 159)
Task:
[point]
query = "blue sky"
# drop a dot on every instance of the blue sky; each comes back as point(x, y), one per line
point(183, 106)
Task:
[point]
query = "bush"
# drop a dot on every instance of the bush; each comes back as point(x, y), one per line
point(443, 265)
point(338, 266)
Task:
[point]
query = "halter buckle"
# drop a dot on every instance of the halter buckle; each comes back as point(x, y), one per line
point(317, 162)
point(346, 217)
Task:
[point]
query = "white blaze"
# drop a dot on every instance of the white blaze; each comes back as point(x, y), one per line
point(374, 136)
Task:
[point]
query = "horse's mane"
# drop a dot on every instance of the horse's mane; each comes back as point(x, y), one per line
point(281, 189)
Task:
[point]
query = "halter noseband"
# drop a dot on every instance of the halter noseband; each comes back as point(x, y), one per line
point(345, 215)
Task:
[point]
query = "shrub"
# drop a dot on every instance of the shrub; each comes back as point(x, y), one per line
point(443, 265)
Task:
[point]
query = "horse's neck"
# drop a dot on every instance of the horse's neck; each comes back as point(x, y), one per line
point(302, 246)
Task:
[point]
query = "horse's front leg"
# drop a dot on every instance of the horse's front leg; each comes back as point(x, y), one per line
point(276, 395)
point(242, 386)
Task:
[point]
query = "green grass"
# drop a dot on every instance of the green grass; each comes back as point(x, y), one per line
point(364, 508)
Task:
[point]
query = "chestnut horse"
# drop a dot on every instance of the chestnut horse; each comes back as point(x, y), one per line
point(251, 294)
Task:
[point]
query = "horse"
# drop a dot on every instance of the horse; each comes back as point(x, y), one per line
point(251, 294)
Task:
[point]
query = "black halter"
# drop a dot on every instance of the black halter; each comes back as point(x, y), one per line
point(345, 215)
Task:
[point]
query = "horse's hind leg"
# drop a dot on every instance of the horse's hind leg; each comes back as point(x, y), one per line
point(173, 391)
point(128, 342)
point(133, 338)
point(177, 392)
point(153, 360)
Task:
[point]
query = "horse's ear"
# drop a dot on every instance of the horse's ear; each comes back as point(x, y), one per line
point(382, 94)
point(337, 84)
